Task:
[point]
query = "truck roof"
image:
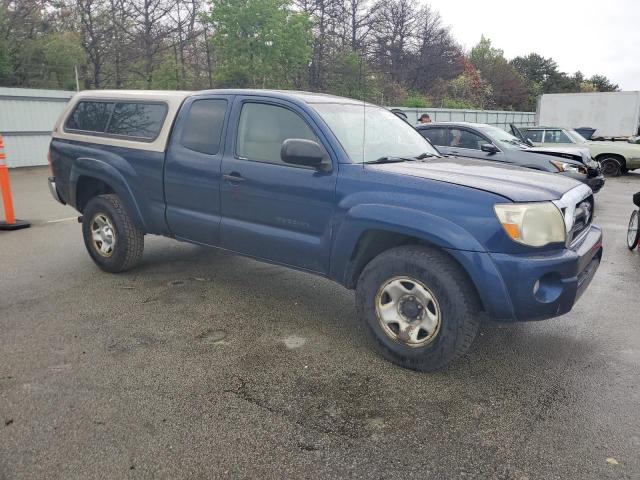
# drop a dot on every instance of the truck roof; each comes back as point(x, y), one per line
point(307, 97)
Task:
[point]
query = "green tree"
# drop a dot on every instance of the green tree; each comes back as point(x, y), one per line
point(259, 43)
point(469, 88)
point(508, 86)
point(603, 84)
point(351, 77)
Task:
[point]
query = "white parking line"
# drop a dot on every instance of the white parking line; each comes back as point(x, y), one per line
point(62, 220)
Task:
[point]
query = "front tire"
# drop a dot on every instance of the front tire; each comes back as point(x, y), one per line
point(611, 167)
point(111, 237)
point(420, 309)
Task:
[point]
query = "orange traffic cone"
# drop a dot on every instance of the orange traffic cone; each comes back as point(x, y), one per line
point(10, 222)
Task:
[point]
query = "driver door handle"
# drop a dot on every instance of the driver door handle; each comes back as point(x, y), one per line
point(233, 178)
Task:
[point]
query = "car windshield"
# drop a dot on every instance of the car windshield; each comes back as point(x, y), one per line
point(503, 138)
point(575, 136)
point(369, 133)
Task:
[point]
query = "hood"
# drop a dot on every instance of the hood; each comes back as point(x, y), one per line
point(515, 183)
point(576, 154)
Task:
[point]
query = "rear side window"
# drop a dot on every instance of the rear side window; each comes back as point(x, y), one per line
point(136, 120)
point(203, 126)
point(437, 136)
point(90, 116)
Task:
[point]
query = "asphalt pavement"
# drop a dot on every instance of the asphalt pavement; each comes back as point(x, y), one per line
point(201, 364)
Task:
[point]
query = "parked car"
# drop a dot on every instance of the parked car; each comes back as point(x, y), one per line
point(334, 187)
point(614, 157)
point(487, 142)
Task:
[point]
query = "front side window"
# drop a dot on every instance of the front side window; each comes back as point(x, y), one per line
point(367, 132)
point(437, 136)
point(203, 126)
point(90, 116)
point(533, 135)
point(556, 136)
point(263, 128)
point(142, 121)
point(465, 139)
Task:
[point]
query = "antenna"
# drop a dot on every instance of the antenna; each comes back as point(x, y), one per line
point(364, 108)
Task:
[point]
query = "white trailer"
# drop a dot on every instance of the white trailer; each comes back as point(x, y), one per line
point(612, 114)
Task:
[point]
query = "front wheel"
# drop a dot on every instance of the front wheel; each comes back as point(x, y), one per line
point(420, 309)
point(633, 233)
point(111, 237)
point(611, 167)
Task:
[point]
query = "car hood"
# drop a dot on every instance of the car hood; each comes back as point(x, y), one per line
point(515, 183)
point(577, 154)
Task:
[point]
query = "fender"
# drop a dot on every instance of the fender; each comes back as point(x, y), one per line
point(432, 229)
point(99, 169)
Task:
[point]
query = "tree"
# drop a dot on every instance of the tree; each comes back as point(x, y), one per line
point(509, 89)
point(470, 88)
point(259, 43)
point(603, 84)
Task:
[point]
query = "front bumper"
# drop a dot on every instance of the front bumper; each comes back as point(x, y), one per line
point(546, 285)
point(54, 191)
point(594, 182)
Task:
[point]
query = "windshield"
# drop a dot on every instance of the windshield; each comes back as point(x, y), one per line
point(575, 136)
point(368, 133)
point(503, 138)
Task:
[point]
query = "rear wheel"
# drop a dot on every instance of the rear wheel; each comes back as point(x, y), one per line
point(111, 237)
point(611, 166)
point(420, 309)
point(633, 233)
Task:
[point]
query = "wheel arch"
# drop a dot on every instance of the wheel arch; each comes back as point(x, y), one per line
point(91, 177)
point(617, 156)
point(368, 230)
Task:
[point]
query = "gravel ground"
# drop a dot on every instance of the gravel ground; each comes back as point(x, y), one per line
point(200, 364)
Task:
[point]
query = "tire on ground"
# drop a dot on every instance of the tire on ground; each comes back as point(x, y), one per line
point(611, 166)
point(129, 239)
point(458, 300)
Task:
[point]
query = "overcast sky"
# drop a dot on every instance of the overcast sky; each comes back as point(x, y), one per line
point(593, 36)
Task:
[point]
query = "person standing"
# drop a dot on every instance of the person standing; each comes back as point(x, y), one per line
point(424, 118)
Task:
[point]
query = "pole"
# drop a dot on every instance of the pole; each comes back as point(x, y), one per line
point(75, 67)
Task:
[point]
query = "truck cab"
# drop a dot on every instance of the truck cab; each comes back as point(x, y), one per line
point(335, 187)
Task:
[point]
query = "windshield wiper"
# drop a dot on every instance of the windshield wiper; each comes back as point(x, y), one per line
point(422, 156)
point(392, 159)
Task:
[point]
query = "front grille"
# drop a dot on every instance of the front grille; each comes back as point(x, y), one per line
point(582, 217)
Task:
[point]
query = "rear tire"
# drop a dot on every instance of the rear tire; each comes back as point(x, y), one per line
point(407, 287)
point(111, 237)
point(611, 167)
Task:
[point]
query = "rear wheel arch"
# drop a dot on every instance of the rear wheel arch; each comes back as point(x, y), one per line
point(88, 187)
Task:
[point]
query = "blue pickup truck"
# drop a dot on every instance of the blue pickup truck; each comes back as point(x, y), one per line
point(335, 187)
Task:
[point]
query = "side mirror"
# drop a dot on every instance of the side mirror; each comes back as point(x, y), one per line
point(489, 148)
point(306, 153)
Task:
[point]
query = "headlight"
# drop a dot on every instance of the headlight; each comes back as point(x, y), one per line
point(568, 167)
point(533, 224)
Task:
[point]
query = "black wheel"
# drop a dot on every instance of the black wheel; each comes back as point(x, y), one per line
point(112, 239)
point(633, 233)
point(420, 309)
point(611, 167)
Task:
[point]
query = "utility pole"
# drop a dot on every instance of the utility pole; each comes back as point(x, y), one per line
point(75, 67)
